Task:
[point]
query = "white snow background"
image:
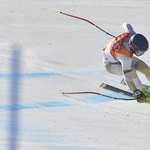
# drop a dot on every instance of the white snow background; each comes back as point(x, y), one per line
point(43, 53)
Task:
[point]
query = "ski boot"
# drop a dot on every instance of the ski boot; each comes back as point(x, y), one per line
point(146, 94)
point(142, 96)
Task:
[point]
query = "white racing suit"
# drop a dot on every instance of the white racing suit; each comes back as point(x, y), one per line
point(118, 60)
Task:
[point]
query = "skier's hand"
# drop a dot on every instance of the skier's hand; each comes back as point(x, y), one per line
point(139, 96)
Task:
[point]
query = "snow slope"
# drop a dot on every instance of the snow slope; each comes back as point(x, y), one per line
point(59, 53)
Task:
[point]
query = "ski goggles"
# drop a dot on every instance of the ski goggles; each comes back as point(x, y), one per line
point(134, 50)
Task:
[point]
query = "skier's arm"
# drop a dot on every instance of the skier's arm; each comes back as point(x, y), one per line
point(127, 70)
point(129, 74)
point(127, 28)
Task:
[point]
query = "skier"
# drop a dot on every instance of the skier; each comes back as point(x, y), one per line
point(118, 59)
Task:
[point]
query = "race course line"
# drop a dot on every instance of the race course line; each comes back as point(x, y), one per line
point(37, 75)
point(33, 106)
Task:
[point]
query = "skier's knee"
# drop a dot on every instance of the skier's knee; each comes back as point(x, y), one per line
point(108, 68)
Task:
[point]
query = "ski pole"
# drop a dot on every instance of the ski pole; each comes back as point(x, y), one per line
point(126, 99)
point(88, 22)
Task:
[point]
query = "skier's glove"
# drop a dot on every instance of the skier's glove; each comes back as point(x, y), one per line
point(139, 96)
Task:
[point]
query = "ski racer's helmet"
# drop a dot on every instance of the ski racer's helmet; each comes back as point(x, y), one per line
point(138, 44)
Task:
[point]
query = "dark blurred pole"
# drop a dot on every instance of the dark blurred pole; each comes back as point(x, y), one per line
point(14, 97)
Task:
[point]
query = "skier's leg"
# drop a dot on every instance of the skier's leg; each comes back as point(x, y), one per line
point(114, 68)
point(144, 68)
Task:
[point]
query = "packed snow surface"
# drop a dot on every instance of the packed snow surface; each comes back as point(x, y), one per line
point(44, 53)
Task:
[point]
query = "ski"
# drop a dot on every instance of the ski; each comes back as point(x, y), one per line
point(146, 87)
point(115, 89)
